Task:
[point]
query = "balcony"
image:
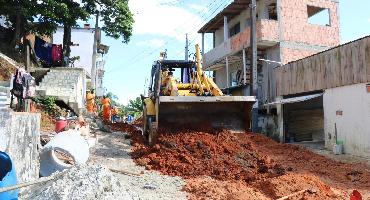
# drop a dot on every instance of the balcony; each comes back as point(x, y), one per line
point(267, 36)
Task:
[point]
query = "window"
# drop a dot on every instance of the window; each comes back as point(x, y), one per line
point(272, 11)
point(234, 30)
point(233, 79)
point(318, 16)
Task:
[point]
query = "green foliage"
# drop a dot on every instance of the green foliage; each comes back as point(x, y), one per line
point(21, 14)
point(134, 108)
point(50, 106)
point(49, 103)
point(116, 15)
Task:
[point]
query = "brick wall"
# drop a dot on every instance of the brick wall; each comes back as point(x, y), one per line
point(294, 22)
point(289, 55)
point(7, 67)
point(267, 30)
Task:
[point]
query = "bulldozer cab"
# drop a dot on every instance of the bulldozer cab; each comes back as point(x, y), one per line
point(179, 70)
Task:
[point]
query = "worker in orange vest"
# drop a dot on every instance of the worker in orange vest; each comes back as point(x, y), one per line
point(90, 101)
point(106, 109)
point(114, 112)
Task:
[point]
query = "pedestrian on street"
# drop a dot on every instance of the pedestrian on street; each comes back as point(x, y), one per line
point(106, 109)
point(90, 101)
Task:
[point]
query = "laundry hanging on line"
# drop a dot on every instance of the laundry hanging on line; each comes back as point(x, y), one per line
point(24, 85)
point(49, 54)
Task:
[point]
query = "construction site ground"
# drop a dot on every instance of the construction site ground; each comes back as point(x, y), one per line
point(217, 164)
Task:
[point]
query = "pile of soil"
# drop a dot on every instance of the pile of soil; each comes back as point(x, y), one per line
point(123, 127)
point(273, 188)
point(47, 121)
point(220, 155)
point(138, 122)
point(253, 164)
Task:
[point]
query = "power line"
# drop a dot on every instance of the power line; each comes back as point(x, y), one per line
point(168, 41)
point(198, 35)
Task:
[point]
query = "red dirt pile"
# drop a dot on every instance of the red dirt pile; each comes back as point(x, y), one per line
point(247, 166)
point(220, 155)
point(123, 127)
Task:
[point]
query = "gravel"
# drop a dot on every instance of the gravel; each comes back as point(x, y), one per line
point(80, 182)
point(113, 151)
point(95, 181)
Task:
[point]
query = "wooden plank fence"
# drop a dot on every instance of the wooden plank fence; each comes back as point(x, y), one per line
point(344, 65)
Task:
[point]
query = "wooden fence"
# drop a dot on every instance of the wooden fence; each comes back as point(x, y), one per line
point(344, 65)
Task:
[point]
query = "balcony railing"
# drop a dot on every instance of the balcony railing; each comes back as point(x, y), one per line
point(267, 35)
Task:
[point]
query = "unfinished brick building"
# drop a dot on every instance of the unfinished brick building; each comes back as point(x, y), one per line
point(287, 30)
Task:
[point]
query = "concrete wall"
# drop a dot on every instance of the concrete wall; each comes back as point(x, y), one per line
point(67, 84)
point(19, 137)
point(349, 108)
point(84, 38)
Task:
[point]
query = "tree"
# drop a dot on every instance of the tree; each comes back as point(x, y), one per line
point(113, 99)
point(41, 16)
point(18, 13)
point(116, 16)
point(134, 107)
point(66, 13)
point(22, 14)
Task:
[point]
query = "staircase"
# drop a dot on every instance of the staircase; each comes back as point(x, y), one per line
point(67, 85)
point(5, 95)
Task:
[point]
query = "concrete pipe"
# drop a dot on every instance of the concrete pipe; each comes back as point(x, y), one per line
point(71, 145)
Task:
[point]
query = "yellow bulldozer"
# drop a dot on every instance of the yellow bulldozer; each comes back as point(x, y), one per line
point(194, 98)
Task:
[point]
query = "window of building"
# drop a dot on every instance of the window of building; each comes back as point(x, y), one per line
point(233, 79)
point(234, 30)
point(272, 11)
point(318, 16)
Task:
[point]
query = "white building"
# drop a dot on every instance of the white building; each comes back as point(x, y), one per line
point(326, 97)
point(83, 40)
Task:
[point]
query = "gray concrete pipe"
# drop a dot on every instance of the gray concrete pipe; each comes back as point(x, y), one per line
point(70, 143)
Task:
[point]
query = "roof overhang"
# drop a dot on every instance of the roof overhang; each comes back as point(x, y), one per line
point(295, 99)
point(177, 63)
point(232, 10)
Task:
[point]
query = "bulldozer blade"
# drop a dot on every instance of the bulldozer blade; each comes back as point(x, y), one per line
point(224, 112)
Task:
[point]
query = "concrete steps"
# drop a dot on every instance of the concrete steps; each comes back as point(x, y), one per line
point(66, 84)
point(5, 94)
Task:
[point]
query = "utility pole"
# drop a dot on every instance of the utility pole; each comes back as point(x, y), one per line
point(184, 72)
point(187, 48)
point(95, 50)
point(254, 76)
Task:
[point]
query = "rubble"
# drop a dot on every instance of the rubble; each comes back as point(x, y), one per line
point(113, 152)
point(80, 182)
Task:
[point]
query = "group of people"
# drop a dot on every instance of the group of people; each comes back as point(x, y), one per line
point(109, 112)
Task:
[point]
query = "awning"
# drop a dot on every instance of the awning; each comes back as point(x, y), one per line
point(295, 99)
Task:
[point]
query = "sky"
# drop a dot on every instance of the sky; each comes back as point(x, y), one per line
point(162, 24)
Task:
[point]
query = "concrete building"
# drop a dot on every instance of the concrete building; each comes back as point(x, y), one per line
point(83, 40)
point(326, 97)
point(287, 30)
point(67, 84)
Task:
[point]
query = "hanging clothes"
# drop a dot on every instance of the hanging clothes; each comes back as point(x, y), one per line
point(18, 83)
point(24, 85)
point(57, 54)
point(43, 51)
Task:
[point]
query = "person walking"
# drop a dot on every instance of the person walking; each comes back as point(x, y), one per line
point(106, 109)
point(90, 101)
